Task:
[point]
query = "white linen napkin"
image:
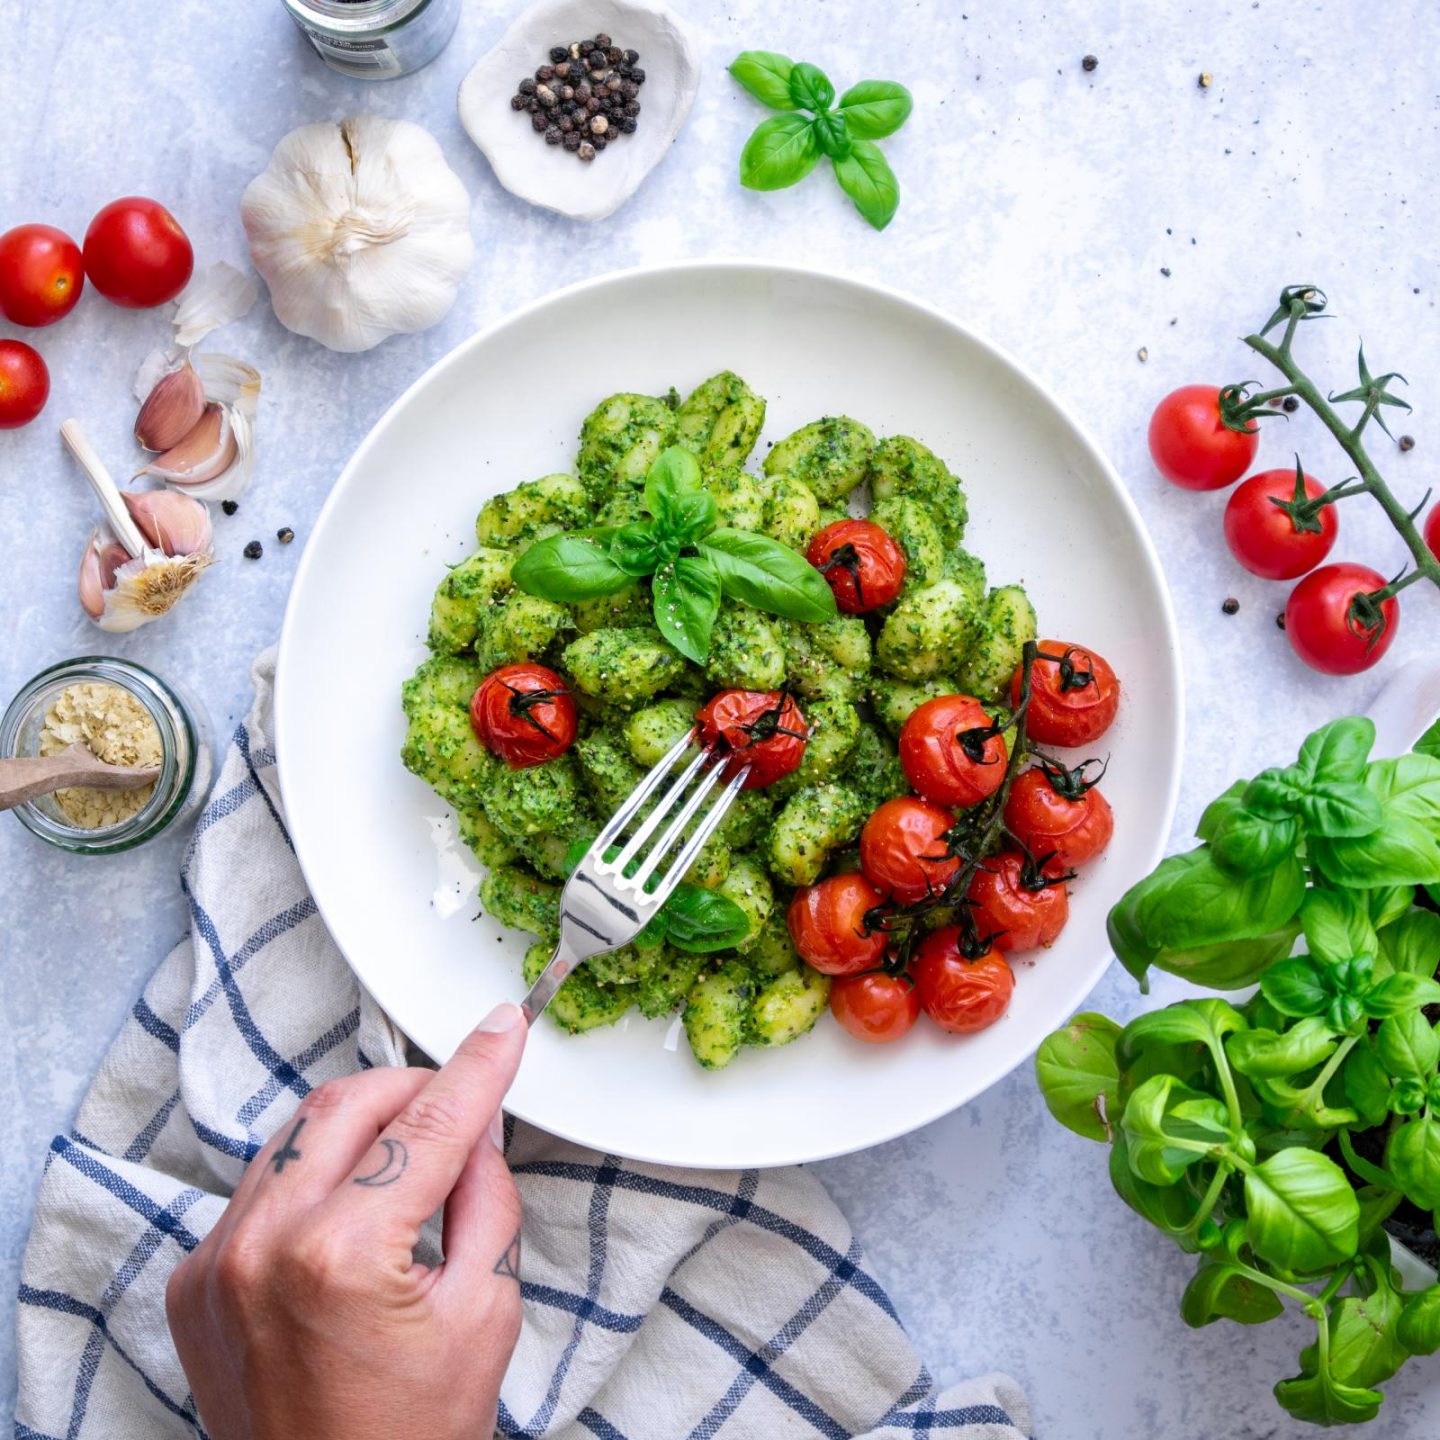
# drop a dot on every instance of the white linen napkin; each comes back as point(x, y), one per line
point(657, 1302)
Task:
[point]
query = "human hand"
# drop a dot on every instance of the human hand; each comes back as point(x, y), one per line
point(304, 1312)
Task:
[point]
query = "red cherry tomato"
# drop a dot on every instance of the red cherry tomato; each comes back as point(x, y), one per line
point(1265, 539)
point(959, 994)
point(523, 714)
point(1059, 814)
point(41, 275)
point(830, 925)
point(862, 564)
point(1018, 905)
point(763, 729)
point(902, 849)
point(1073, 695)
point(136, 254)
point(875, 1007)
point(1325, 629)
point(1193, 447)
point(1432, 531)
point(24, 384)
point(951, 751)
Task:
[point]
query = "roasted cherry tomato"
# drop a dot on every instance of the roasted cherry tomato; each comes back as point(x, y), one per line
point(831, 925)
point(136, 254)
point(1073, 695)
point(1332, 625)
point(41, 274)
point(1018, 904)
point(960, 994)
point(875, 1007)
point(1432, 531)
point(903, 852)
point(1269, 540)
point(862, 564)
point(1058, 812)
point(763, 729)
point(523, 714)
point(951, 751)
point(24, 384)
point(1193, 447)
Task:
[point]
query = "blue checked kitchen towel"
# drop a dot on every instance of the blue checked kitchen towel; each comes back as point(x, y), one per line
point(658, 1303)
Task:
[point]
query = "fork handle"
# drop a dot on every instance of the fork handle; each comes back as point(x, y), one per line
point(549, 980)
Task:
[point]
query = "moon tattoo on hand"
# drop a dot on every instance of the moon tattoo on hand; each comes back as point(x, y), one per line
point(397, 1157)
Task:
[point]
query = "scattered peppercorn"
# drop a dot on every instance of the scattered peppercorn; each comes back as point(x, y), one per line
point(1291, 404)
point(588, 87)
point(1280, 619)
point(1165, 271)
point(229, 506)
point(1231, 605)
point(1142, 354)
point(1204, 80)
point(254, 550)
point(1407, 442)
point(1089, 62)
point(558, 53)
point(284, 534)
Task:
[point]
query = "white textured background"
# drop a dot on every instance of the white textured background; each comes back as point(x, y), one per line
point(1040, 206)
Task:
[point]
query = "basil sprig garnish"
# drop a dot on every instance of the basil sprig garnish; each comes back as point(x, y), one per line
point(785, 149)
point(693, 563)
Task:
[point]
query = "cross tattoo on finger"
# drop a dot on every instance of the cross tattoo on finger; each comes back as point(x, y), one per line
point(287, 1151)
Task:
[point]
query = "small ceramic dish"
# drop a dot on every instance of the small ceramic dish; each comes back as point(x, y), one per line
point(548, 175)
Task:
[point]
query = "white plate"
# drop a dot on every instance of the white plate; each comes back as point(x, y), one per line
point(1046, 509)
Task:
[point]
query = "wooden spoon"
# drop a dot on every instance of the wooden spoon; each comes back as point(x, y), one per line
point(23, 779)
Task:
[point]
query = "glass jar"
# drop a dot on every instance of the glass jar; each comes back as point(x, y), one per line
point(186, 766)
point(376, 39)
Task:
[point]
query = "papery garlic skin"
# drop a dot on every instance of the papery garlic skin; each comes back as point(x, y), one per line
point(214, 297)
point(360, 229)
point(121, 592)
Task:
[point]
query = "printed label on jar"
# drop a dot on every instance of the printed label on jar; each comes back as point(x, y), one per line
point(356, 54)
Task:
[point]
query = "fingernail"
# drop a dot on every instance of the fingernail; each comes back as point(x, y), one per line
point(500, 1019)
point(497, 1131)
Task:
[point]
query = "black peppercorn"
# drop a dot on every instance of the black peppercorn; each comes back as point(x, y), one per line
point(540, 123)
point(592, 106)
point(1407, 442)
point(627, 124)
point(602, 41)
point(1280, 619)
point(637, 75)
point(546, 96)
point(566, 124)
point(1231, 606)
point(562, 70)
point(599, 142)
point(557, 54)
point(1290, 404)
point(1089, 62)
point(545, 72)
point(631, 56)
point(532, 105)
point(527, 86)
point(629, 89)
point(572, 141)
point(613, 55)
point(632, 109)
point(284, 534)
point(586, 150)
point(583, 91)
point(599, 125)
point(613, 84)
point(254, 550)
point(517, 102)
point(553, 135)
point(229, 506)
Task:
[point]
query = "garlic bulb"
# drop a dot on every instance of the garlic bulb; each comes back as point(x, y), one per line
point(361, 230)
point(155, 546)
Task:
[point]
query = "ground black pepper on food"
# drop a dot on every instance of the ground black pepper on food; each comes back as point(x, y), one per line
point(254, 550)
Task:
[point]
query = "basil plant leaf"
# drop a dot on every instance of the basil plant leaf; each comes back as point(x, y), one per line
point(766, 76)
point(782, 151)
point(1364, 1347)
point(1296, 987)
point(832, 136)
point(1412, 1156)
point(1077, 1071)
point(1429, 742)
point(866, 177)
point(1366, 1083)
point(874, 109)
point(1412, 943)
point(1169, 1208)
point(700, 920)
point(1388, 903)
point(810, 87)
point(687, 600)
point(1245, 842)
point(675, 473)
point(1340, 810)
point(1273, 794)
point(1337, 751)
point(1337, 925)
point(1220, 809)
point(1169, 1127)
point(1324, 1401)
point(1271, 1053)
point(1418, 1328)
point(1400, 992)
point(1405, 850)
point(693, 517)
point(768, 575)
point(1302, 1212)
point(1407, 1045)
point(566, 568)
point(1204, 1022)
point(1221, 1291)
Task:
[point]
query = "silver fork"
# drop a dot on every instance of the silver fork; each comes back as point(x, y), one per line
point(606, 903)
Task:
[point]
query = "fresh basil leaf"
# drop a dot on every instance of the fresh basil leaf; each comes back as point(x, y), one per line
point(1302, 1212)
point(1167, 1126)
point(1245, 842)
point(1412, 1156)
point(1364, 1346)
point(1204, 1022)
point(566, 568)
point(1076, 1070)
point(1296, 987)
point(1418, 1328)
point(1405, 850)
point(1169, 1208)
point(1268, 1053)
point(1389, 903)
point(1366, 1083)
point(782, 151)
point(1220, 809)
point(1408, 1096)
point(1337, 751)
point(768, 575)
point(675, 473)
point(639, 548)
point(1322, 1400)
point(1340, 810)
point(1221, 1291)
point(766, 76)
point(1337, 925)
point(1411, 944)
point(687, 600)
point(832, 136)
point(693, 517)
point(810, 87)
point(701, 921)
point(1407, 1046)
point(874, 109)
point(1399, 992)
point(1273, 794)
point(866, 177)
point(1429, 742)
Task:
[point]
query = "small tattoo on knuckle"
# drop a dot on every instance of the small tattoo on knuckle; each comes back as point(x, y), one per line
point(390, 1169)
point(287, 1151)
point(509, 1262)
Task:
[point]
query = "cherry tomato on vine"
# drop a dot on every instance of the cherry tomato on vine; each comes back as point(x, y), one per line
point(136, 254)
point(1432, 531)
point(24, 384)
point(1017, 904)
point(41, 275)
point(763, 729)
point(523, 714)
point(1333, 627)
point(951, 751)
point(903, 851)
point(1193, 447)
point(860, 562)
point(875, 1007)
point(1269, 540)
point(960, 994)
point(1059, 813)
point(830, 925)
point(1073, 695)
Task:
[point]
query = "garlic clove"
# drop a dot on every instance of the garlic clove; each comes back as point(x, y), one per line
point(205, 452)
point(103, 559)
point(173, 523)
point(172, 409)
point(148, 587)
